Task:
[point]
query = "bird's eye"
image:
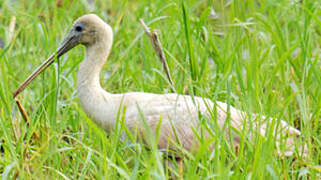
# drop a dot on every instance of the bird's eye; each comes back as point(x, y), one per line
point(78, 28)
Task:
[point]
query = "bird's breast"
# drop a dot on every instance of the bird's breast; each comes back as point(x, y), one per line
point(99, 106)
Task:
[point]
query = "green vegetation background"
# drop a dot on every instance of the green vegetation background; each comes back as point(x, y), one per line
point(260, 56)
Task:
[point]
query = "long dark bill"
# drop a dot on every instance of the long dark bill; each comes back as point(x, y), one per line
point(65, 46)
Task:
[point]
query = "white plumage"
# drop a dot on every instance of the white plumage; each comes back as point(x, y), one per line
point(182, 119)
point(177, 113)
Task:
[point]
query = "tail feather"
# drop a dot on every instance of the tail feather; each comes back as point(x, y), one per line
point(286, 135)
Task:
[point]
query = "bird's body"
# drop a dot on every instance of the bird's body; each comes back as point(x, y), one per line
point(173, 111)
point(179, 116)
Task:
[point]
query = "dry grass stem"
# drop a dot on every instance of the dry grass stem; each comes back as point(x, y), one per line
point(23, 112)
point(159, 51)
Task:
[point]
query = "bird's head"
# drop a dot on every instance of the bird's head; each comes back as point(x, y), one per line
point(87, 30)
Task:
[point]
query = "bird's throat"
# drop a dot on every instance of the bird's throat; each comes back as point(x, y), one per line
point(89, 89)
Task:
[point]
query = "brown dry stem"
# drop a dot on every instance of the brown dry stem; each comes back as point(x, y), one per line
point(159, 51)
point(23, 112)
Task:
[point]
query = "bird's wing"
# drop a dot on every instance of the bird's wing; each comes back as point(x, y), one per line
point(179, 119)
point(178, 116)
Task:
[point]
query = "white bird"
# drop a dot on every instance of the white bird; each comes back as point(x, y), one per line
point(177, 115)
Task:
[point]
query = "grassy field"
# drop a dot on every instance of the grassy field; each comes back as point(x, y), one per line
point(259, 56)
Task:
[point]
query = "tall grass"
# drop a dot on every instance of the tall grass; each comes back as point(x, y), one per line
point(259, 56)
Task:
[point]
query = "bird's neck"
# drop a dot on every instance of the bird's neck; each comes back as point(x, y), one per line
point(89, 69)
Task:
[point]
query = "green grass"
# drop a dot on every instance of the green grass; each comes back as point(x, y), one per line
point(259, 56)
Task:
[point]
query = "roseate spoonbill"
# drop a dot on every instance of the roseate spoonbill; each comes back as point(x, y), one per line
point(178, 116)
